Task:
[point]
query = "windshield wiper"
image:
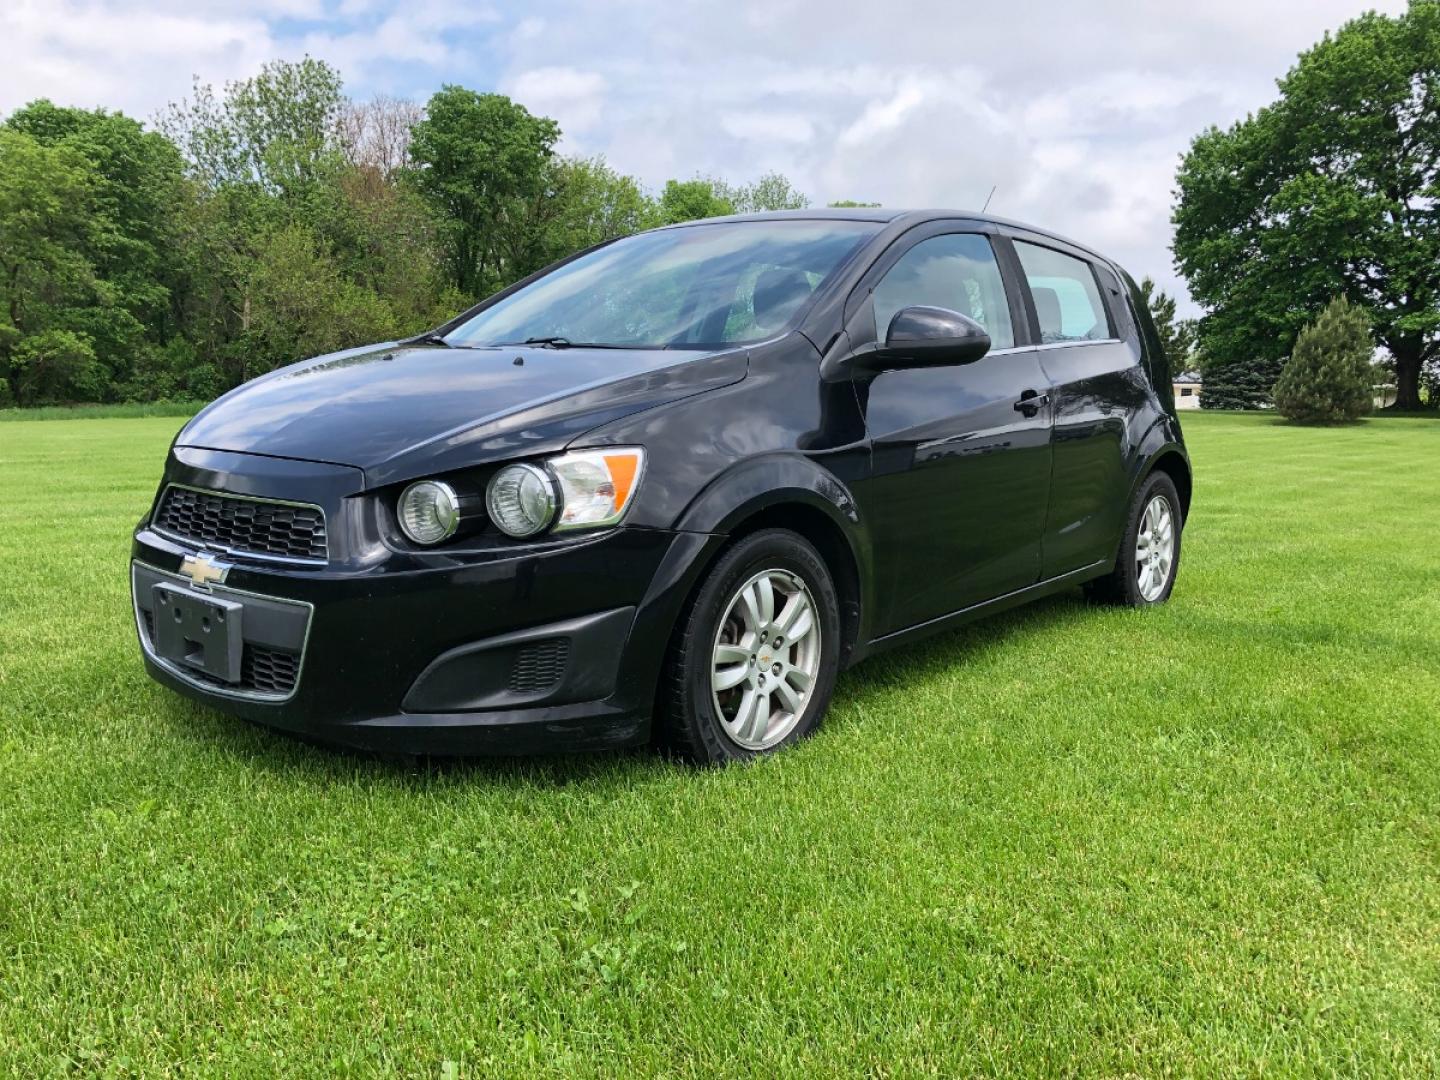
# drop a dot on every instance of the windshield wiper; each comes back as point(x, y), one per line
point(559, 343)
point(430, 337)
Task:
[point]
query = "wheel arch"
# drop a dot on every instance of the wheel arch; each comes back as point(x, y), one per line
point(1173, 462)
point(826, 537)
point(790, 491)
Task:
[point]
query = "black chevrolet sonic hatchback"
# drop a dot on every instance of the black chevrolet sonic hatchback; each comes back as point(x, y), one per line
point(668, 488)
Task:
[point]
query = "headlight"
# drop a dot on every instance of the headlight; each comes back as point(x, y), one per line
point(584, 490)
point(429, 511)
point(596, 486)
point(521, 500)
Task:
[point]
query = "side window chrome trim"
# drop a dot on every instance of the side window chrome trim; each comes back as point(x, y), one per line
point(1075, 344)
point(1052, 345)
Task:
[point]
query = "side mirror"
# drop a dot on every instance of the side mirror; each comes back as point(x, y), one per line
point(926, 336)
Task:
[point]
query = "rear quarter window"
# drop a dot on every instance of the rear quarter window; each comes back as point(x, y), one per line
point(1067, 297)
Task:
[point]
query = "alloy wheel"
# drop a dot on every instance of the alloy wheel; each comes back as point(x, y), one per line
point(765, 658)
point(1155, 548)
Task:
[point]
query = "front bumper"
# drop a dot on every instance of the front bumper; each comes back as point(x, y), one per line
point(550, 650)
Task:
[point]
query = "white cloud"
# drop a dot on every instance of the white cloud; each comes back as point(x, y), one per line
point(769, 127)
point(422, 34)
point(119, 58)
point(528, 29)
point(573, 97)
point(882, 117)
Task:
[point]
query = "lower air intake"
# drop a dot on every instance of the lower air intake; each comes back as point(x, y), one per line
point(539, 666)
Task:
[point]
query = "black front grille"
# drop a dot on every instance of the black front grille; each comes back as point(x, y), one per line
point(262, 670)
point(263, 528)
point(538, 667)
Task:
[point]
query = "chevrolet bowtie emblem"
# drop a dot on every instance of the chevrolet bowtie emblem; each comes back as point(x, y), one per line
point(203, 570)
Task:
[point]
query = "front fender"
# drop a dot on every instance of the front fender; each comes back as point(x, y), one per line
point(751, 486)
point(799, 492)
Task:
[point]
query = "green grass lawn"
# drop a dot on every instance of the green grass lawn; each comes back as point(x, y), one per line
point(103, 412)
point(1201, 839)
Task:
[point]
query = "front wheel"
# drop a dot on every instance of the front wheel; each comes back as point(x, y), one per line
point(754, 660)
point(1149, 555)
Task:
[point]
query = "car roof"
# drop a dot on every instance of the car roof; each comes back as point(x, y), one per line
point(884, 215)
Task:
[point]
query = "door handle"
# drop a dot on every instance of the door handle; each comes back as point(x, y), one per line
point(1031, 402)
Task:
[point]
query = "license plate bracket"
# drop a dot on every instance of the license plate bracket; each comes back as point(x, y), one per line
point(199, 632)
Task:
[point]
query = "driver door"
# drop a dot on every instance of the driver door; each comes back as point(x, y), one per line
point(961, 456)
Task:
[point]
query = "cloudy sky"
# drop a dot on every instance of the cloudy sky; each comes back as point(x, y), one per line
point(1075, 112)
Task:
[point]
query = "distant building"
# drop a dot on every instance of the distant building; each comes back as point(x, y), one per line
point(1187, 390)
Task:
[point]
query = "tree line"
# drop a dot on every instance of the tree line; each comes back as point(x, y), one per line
point(277, 219)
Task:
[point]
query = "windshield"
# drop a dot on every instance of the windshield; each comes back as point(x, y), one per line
point(698, 287)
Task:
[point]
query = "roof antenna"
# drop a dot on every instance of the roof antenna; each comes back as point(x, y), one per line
point(988, 198)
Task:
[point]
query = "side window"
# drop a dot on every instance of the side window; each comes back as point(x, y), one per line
point(1066, 296)
point(956, 271)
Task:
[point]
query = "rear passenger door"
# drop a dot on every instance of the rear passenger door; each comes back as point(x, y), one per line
point(1096, 386)
point(960, 477)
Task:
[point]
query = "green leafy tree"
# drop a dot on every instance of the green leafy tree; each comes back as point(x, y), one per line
point(598, 203)
point(1176, 335)
point(851, 204)
point(130, 240)
point(303, 305)
point(585, 202)
point(1331, 190)
point(273, 220)
point(392, 244)
point(481, 161)
point(280, 130)
point(265, 155)
point(707, 197)
point(693, 200)
point(57, 365)
point(772, 191)
point(292, 177)
point(1329, 377)
point(257, 269)
point(47, 283)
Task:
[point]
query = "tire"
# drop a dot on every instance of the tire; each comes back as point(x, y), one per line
point(1123, 586)
point(714, 726)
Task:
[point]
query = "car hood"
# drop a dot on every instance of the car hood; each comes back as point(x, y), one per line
point(400, 411)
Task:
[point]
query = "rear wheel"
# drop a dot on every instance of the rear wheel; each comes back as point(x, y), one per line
point(1149, 555)
point(754, 660)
